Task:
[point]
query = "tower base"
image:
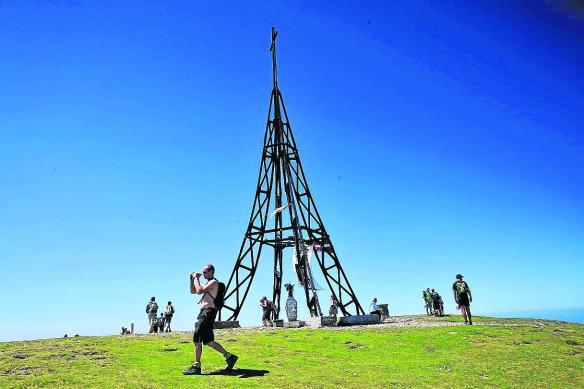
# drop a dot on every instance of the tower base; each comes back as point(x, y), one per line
point(358, 320)
point(226, 324)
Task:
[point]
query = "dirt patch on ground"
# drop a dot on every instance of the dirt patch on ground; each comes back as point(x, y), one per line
point(22, 370)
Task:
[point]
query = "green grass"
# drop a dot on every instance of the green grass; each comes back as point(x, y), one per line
point(517, 353)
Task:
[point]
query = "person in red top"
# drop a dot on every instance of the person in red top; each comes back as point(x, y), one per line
point(463, 298)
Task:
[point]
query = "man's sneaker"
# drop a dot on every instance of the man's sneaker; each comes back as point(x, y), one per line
point(230, 362)
point(193, 370)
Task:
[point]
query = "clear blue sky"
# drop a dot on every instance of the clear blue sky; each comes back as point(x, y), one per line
point(437, 139)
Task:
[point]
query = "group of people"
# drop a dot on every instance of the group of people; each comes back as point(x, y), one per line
point(434, 303)
point(462, 298)
point(159, 323)
point(213, 294)
point(268, 309)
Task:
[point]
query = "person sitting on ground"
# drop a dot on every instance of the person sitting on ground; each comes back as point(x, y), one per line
point(266, 311)
point(463, 298)
point(374, 308)
point(152, 311)
point(213, 294)
point(160, 322)
point(168, 312)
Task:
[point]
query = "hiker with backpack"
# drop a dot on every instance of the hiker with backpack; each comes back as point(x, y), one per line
point(441, 304)
point(213, 294)
point(436, 304)
point(168, 312)
point(428, 300)
point(152, 311)
point(267, 308)
point(463, 298)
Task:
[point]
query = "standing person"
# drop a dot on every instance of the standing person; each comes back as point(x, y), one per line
point(213, 293)
point(266, 311)
point(152, 310)
point(168, 312)
point(463, 298)
point(425, 302)
point(436, 303)
point(374, 308)
point(428, 296)
point(333, 310)
point(441, 304)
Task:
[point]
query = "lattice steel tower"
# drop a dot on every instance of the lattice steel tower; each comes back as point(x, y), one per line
point(282, 184)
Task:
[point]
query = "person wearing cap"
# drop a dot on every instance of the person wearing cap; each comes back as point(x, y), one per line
point(463, 298)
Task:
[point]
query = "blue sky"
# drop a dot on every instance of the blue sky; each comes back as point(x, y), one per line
point(436, 139)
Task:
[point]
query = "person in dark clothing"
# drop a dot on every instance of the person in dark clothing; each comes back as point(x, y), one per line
point(168, 313)
point(312, 306)
point(437, 304)
point(266, 311)
point(463, 298)
point(333, 309)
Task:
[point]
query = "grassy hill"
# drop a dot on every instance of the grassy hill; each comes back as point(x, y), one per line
point(495, 352)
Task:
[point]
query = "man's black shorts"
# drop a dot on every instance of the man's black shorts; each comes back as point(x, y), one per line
point(266, 314)
point(204, 326)
point(463, 300)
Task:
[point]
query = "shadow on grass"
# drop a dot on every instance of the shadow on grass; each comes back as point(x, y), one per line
point(241, 373)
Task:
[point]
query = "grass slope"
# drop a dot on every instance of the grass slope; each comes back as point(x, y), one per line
point(497, 352)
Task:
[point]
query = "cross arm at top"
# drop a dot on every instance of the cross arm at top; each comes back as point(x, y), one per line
point(274, 35)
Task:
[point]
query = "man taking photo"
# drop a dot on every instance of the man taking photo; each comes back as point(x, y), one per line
point(204, 326)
